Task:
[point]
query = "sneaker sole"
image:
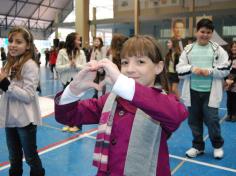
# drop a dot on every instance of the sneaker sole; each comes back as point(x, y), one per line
point(218, 158)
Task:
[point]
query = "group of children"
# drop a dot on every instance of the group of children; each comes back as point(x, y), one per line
point(136, 118)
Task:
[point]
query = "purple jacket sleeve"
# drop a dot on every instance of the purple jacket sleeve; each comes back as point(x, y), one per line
point(164, 108)
point(79, 112)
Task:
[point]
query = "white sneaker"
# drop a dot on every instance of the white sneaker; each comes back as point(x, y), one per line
point(218, 153)
point(193, 152)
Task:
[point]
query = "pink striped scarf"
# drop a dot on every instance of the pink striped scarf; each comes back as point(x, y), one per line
point(100, 156)
point(144, 126)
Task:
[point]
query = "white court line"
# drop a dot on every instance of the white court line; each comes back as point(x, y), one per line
point(52, 127)
point(91, 137)
point(57, 146)
point(192, 161)
point(68, 142)
point(203, 163)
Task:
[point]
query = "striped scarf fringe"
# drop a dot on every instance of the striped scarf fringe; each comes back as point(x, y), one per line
point(100, 156)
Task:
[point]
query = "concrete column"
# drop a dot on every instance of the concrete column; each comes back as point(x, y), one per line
point(56, 26)
point(191, 18)
point(82, 20)
point(136, 17)
point(94, 26)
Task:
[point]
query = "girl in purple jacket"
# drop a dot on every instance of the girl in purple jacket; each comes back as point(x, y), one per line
point(135, 119)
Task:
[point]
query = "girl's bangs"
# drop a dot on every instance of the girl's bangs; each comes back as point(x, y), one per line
point(138, 47)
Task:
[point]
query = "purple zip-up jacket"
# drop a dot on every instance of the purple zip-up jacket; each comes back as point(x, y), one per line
point(164, 108)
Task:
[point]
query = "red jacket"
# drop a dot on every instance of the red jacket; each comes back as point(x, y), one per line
point(53, 57)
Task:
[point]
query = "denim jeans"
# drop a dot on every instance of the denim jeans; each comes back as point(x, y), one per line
point(19, 139)
point(200, 113)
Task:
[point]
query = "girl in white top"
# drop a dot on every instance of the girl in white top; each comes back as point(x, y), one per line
point(70, 60)
point(19, 107)
point(99, 52)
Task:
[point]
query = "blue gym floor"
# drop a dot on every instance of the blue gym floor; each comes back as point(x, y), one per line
point(70, 154)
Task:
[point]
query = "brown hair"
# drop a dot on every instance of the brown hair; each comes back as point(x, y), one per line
point(116, 46)
point(11, 64)
point(101, 43)
point(231, 56)
point(176, 50)
point(71, 50)
point(144, 45)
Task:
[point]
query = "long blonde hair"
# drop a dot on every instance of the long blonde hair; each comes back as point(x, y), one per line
point(29, 53)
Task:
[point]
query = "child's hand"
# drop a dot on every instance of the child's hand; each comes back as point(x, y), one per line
point(84, 80)
point(196, 70)
point(72, 63)
point(2, 74)
point(229, 81)
point(112, 71)
point(204, 72)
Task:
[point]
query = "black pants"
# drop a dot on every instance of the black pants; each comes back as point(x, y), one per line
point(231, 103)
point(200, 113)
point(19, 140)
point(99, 77)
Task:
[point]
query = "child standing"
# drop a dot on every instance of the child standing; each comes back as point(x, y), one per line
point(99, 52)
point(171, 60)
point(203, 66)
point(70, 60)
point(231, 85)
point(135, 119)
point(19, 107)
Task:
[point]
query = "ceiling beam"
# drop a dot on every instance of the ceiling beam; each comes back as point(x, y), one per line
point(17, 13)
point(43, 5)
point(24, 18)
point(37, 9)
point(9, 11)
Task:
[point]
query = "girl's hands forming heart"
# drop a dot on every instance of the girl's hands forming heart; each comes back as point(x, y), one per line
point(84, 80)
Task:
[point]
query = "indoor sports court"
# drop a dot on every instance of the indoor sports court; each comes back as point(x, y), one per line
point(51, 22)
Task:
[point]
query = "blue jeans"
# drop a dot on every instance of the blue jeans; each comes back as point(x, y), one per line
point(200, 113)
point(19, 139)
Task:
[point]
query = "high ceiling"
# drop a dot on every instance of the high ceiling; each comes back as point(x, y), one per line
point(34, 14)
